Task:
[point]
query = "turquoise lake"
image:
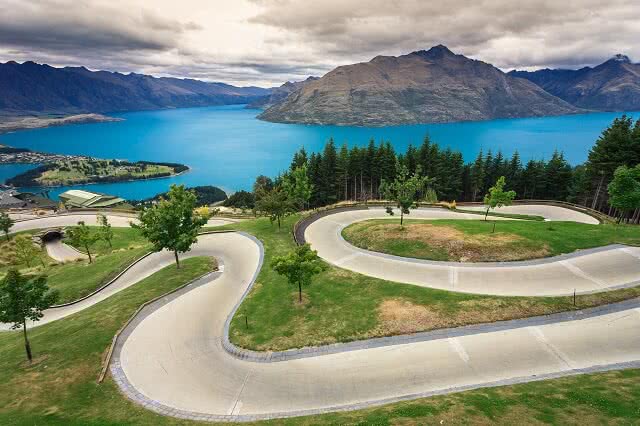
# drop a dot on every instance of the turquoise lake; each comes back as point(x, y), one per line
point(227, 146)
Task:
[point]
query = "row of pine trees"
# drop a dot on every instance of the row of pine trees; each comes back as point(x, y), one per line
point(343, 173)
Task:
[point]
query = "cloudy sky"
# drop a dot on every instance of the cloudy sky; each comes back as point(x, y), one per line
point(266, 42)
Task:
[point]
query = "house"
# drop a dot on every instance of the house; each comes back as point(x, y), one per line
point(77, 198)
point(9, 200)
point(12, 199)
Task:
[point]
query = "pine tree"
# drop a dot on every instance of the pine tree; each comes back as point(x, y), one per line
point(343, 172)
point(329, 169)
point(618, 145)
point(476, 176)
point(315, 177)
point(299, 159)
point(514, 173)
point(557, 177)
point(373, 172)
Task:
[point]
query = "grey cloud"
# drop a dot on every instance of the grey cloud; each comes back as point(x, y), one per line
point(300, 38)
point(65, 26)
point(509, 33)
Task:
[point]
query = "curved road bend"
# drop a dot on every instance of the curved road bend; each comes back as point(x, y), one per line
point(173, 361)
point(586, 271)
point(146, 267)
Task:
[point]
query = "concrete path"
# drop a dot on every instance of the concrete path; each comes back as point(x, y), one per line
point(586, 271)
point(173, 360)
point(61, 252)
point(554, 213)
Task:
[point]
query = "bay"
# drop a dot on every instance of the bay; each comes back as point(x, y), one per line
point(228, 146)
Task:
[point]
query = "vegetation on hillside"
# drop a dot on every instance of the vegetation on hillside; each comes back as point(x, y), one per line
point(342, 173)
point(73, 172)
point(205, 196)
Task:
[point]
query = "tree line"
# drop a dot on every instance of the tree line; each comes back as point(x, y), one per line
point(357, 173)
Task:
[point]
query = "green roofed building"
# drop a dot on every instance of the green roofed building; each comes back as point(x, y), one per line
point(77, 198)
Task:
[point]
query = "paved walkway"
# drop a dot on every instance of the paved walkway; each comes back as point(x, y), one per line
point(586, 271)
point(61, 252)
point(173, 360)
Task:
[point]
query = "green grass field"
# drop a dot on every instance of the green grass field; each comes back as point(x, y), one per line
point(474, 240)
point(60, 387)
point(74, 280)
point(341, 305)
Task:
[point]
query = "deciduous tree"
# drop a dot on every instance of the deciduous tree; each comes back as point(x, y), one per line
point(498, 197)
point(83, 236)
point(105, 231)
point(299, 266)
point(172, 223)
point(5, 224)
point(624, 189)
point(25, 251)
point(275, 204)
point(23, 299)
point(403, 191)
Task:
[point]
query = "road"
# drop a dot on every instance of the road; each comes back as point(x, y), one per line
point(587, 271)
point(173, 361)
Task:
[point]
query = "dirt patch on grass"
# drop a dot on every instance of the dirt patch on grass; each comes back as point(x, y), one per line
point(398, 316)
point(402, 317)
point(458, 246)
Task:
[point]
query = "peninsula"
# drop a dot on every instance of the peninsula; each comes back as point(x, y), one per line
point(11, 124)
point(60, 169)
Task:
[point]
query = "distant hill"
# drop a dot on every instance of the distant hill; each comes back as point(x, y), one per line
point(278, 94)
point(205, 195)
point(432, 86)
point(31, 88)
point(611, 86)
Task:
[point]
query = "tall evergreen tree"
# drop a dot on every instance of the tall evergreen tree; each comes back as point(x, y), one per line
point(343, 172)
point(618, 145)
point(557, 177)
point(477, 176)
point(329, 169)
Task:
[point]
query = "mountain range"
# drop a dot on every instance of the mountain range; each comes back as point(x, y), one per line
point(427, 86)
point(31, 88)
point(611, 86)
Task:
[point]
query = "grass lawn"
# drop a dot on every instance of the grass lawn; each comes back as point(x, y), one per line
point(474, 241)
point(60, 388)
point(493, 213)
point(76, 279)
point(341, 305)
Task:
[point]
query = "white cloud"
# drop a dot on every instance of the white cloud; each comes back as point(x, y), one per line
point(266, 42)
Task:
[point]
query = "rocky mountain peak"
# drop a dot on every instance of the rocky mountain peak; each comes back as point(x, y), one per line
point(621, 58)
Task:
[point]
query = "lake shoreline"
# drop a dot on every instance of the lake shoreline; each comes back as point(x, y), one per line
point(227, 146)
point(18, 123)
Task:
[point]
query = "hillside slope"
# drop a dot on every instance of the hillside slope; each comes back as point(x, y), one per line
point(430, 86)
point(31, 88)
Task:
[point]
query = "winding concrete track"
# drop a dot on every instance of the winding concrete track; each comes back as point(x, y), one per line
point(173, 358)
point(587, 271)
point(61, 252)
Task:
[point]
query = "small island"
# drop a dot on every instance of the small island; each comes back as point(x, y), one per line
point(89, 170)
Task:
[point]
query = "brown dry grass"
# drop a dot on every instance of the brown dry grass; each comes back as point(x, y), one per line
point(459, 246)
point(398, 316)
